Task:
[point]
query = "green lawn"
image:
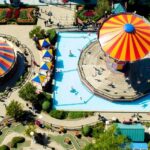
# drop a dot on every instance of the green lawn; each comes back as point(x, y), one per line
point(77, 143)
point(20, 146)
point(14, 128)
point(3, 14)
point(23, 14)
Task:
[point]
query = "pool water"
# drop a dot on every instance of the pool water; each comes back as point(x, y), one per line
point(69, 92)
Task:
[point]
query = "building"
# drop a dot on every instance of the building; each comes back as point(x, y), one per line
point(135, 132)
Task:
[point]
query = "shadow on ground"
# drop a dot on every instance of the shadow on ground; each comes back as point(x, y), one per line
point(139, 75)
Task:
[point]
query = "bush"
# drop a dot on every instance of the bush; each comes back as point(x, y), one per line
point(86, 130)
point(23, 14)
point(52, 35)
point(34, 31)
point(17, 140)
point(74, 115)
point(59, 114)
point(46, 105)
point(14, 110)
point(98, 129)
point(4, 147)
point(2, 14)
point(28, 92)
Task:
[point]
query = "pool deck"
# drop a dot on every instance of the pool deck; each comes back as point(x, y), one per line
point(96, 74)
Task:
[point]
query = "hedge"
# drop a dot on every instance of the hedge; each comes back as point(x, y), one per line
point(86, 130)
point(58, 114)
point(46, 105)
point(74, 115)
point(17, 140)
point(4, 147)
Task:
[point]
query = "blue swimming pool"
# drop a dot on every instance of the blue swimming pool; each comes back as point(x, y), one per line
point(66, 77)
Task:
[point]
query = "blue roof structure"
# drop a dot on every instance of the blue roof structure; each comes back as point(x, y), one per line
point(139, 146)
point(135, 132)
point(118, 8)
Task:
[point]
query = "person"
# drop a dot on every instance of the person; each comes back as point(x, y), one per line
point(45, 23)
point(49, 20)
point(80, 98)
point(70, 53)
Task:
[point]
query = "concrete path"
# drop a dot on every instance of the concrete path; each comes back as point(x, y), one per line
point(70, 124)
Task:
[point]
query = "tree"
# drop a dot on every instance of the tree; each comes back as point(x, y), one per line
point(52, 35)
point(98, 129)
point(36, 30)
point(14, 110)
point(29, 130)
point(42, 138)
point(109, 139)
point(59, 114)
point(102, 7)
point(86, 130)
point(4, 147)
point(131, 2)
point(28, 92)
point(46, 105)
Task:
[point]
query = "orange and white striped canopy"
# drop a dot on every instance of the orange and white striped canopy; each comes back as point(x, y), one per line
point(125, 37)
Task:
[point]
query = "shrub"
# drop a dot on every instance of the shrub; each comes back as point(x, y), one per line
point(86, 130)
point(89, 13)
point(74, 115)
point(17, 140)
point(98, 129)
point(23, 14)
point(4, 147)
point(46, 105)
point(59, 114)
point(14, 110)
point(35, 31)
point(9, 13)
point(16, 13)
point(52, 35)
point(3, 14)
point(28, 92)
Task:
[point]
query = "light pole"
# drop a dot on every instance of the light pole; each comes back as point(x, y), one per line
point(32, 135)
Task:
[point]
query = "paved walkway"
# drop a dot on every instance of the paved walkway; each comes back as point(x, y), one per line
point(70, 124)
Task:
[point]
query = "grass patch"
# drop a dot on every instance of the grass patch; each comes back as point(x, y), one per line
point(20, 146)
point(60, 139)
point(14, 128)
point(23, 14)
point(3, 14)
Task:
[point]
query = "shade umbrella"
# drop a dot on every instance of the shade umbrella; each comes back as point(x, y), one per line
point(46, 68)
point(44, 43)
point(125, 37)
point(39, 79)
point(48, 54)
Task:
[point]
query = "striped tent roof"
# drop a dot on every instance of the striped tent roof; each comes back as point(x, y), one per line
point(7, 58)
point(39, 78)
point(47, 53)
point(44, 43)
point(46, 66)
point(125, 37)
